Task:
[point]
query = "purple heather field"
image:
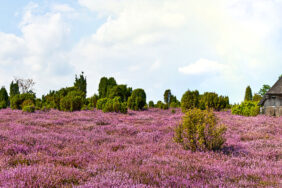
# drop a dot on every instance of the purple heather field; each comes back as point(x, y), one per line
point(95, 149)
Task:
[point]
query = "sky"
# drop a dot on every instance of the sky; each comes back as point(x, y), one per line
point(217, 46)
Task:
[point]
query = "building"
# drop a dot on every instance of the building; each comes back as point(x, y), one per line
point(271, 103)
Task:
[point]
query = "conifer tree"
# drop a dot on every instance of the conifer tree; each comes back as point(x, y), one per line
point(81, 83)
point(248, 94)
point(14, 89)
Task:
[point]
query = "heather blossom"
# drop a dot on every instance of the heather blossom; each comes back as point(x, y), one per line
point(96, 149)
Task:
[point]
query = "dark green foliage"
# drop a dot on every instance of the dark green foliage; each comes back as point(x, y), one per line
point(257, 97)
point(199, 131)
point(80, 83)
point(112, 105)
point(167, 95)
point(161, 105)
point(101, 103)
point(212, 100)
point(18, 100)
point(246, 108)
point(264, 90)
point(280, 76)
point(121, 91)
point(151, 104)
point(53, 99)
point(92, 101)
point(190, 100)
point(105, 85)
point(173, 111)
point(38, 104)
point(14, 89)
point(137, 100)
point(4, 98)
point(73, 101)
point(248, 94)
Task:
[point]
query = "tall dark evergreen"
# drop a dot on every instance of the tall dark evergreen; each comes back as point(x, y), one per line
point(14, 89)
point(105, 86)
point(167, 96)
point(248, 94)
point(4, 98)
point(81, 83)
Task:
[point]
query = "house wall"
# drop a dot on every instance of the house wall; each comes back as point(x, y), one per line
point(272, 106)
point(273, 101)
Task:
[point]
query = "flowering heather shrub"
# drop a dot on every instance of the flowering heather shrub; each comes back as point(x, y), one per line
point(199, 131)
point(246, 108)
point(96, 149)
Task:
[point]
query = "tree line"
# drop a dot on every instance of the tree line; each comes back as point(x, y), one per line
point(111, 97)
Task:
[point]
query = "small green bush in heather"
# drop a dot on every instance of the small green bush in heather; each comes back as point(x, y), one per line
point(199, 131)
point(173, 111)
point(101, 103)
point(29, 108)
point(73, 101)
point(112, 105)
point(162, 105)
point(16, 102)
point(137, 100)
point(151, 104)
point(174, 105)
point(92, 101)
point(246, 108)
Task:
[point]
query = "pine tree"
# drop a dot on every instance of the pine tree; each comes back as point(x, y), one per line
point(248, 94)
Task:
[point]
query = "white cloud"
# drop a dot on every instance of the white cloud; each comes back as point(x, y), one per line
point(202, 66)
point(39, 53)
point(62, 8)
point(240, 34)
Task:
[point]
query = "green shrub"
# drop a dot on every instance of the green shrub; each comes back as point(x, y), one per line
point(190, 100)
point(162, 105)
point(29, 108)
point(101, 103)
point(112, 105)
point(151, 104)
point(108, 107)
point(17, 100)
point(73, 101)
point(199, 131)
point(246, 108)
point(174, 105)
point(137, 100)
point(38, 104)
point(257, 97)
point(92, 101)
point(4, 98)
point(173, 111)
point(213, 101)
point(121, 91)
